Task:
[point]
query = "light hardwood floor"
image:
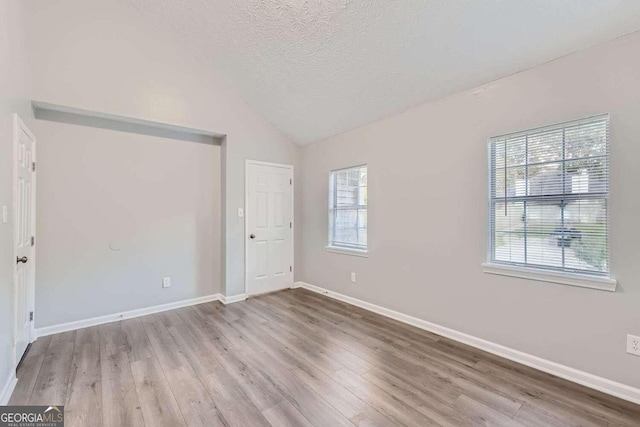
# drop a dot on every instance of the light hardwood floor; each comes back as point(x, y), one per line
point(293, 358)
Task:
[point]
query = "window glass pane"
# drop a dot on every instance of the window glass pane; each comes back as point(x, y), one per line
point(545, 146)
point(586, 140)
point(516, 183)
point(346, 226)
point(590, 215)
point(510, 220)
point(498, 153)
point(509, 247)
point(347, 194)
point(589, 252)
point(545, 179)
point(587, 244)
point(516, 151)
point(542, 250)
point(586, 176)
point(544, 217)
point(362, 184)
point(362, 227)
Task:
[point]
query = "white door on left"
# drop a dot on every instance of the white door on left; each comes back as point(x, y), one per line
point(269, 227)
point(24, 234)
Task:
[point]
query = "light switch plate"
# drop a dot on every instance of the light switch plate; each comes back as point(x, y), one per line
point(166, 282)
point(240, 213)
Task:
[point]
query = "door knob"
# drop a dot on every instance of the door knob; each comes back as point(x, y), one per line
point(253, 236)
point(24, 259)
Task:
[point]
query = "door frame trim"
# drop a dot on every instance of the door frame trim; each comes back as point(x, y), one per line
point(18, 125)
point(248, 162)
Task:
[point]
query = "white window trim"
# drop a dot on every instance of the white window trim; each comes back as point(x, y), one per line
point(344, 250)
point(572, 279)
point(605, 283)
point(348, 251)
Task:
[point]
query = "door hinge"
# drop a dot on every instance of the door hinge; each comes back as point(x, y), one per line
point(290, 225)
point(33, 241)
point(31, 316)
point(290, 181)
point(290, 268)
point(33, 166)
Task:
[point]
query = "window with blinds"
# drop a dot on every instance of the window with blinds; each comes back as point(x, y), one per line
point(348, 208)
point(549, 191)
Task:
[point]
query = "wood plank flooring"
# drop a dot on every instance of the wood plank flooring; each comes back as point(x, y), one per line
point(293, 358)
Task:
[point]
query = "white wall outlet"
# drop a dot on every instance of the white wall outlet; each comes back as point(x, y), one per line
point(633, 345)
point(166, 282)
point(240, 213)
point(353, 277)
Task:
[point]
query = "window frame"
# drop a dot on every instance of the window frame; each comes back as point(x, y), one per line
point(331, 246)
point(595, 280)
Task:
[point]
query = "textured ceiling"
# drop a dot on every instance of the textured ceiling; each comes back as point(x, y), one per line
point(316, 68)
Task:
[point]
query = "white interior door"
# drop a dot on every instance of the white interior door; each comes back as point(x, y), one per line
point(269, 227)
point(24, 234)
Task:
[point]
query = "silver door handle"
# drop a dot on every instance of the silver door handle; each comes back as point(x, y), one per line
point(24, 259)
point(253, 236)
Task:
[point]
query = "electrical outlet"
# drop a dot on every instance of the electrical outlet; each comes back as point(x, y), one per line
point(633, 345)
point(166, 282)
point(353, 277)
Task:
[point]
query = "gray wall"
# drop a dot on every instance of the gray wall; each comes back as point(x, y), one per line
point(428, 213)
point(14, 95)
point(103, 56)
point(156, 200)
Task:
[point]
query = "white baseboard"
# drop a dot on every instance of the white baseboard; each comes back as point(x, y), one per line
point(7, 389)
point(231, 299)
point(94, 321)
point(586, 379)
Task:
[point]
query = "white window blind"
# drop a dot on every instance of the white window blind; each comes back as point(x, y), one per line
point(549, 191)
point(348, 208)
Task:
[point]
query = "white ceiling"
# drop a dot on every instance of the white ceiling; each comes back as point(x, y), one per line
point(316, 68)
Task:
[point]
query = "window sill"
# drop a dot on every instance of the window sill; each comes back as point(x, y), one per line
point(347, 251)
point(601, 283)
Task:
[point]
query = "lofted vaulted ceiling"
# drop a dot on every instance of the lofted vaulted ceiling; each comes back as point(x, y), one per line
point(315, 68)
